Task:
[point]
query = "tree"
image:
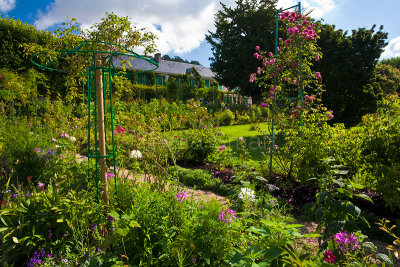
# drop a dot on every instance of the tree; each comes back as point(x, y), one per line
point(394, 61)
point(166, 57)
point(387, 79)
point(347, 70)
point(238, 31)
point(113, 35)
point(194, 62)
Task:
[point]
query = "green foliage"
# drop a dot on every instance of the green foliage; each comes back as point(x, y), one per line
point(200, 143)
point(225, 117)
point(394, 62)
point(347, 70)
point(14, 33)
point(238, 31)
point(387, 79)
point(334, 209)
point(200, 179)
point(381, 150)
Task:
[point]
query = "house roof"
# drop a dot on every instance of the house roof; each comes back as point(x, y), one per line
point(167, 67)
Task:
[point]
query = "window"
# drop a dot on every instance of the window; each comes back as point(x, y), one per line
point(160, 79)
point(143, 79)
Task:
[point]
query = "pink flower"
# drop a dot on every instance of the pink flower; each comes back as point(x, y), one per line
point(271, 92)
point(264, 105)
point(256, 55)
point(181, 196)
point(53, 139)
point(316, 58)
point(270, 54)
point(260, 57)
point(120, 129)
point(258, 70)
point(227, 215)
point(329, 257)
point(252, 77)
point(287, 42)
point(318, 75)
point(257, 48)
point(298, 107)
point(272, 98)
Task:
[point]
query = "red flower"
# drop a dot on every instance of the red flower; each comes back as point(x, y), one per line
point(329, 257)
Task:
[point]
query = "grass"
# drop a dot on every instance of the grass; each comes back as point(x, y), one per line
point(255, 141)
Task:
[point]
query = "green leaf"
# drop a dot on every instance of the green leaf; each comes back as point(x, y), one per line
point(260, 231)
point(369, 245)
point(366, 197)
point(134, 224)
point(272, 253)
point(15, 240)
point(114, 214)
point(383, 258)
point(121, 231)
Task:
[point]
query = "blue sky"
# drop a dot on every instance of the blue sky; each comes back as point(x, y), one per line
point(181, 24)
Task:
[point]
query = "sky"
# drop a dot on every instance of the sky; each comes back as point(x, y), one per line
point(181, 25)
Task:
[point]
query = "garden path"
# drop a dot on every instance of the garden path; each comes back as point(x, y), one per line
point(141, 178)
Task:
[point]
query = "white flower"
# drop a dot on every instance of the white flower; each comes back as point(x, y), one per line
point(246, 194)
point(136, 154)
point(73, 139)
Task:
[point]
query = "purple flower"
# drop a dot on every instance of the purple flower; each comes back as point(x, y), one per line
point(181, 196)
point(110, 175)
point(346, 241)
point(227, 215)
point(41, 185)
point(110, 218)
point(264, 105)
point(94, 227)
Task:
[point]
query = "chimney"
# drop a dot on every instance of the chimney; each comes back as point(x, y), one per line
point(157, 58)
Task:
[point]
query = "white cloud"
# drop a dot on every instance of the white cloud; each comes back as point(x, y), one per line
point(7, 5)
point(180, 25)
point(393, 49)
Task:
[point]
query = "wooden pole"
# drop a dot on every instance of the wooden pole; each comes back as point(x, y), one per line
point(100, 127)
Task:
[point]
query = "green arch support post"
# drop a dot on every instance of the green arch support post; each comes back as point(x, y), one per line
point(300, 87)
point(98, 95)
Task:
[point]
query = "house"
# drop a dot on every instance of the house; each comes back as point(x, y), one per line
point(169, 68)
point(182, 72)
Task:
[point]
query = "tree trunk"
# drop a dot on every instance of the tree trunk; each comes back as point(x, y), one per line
point(100, 127)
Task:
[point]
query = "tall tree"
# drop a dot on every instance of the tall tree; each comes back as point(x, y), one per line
point(238, 31)
point(347, 70)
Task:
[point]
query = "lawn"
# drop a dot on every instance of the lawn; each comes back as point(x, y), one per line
point(255, 140)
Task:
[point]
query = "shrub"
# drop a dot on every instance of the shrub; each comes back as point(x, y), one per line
point(200, 144)
point(381, 151)
point(226, 117)
point(200, 179)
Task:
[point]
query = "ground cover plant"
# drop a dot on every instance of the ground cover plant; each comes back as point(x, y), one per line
point(345, 180)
